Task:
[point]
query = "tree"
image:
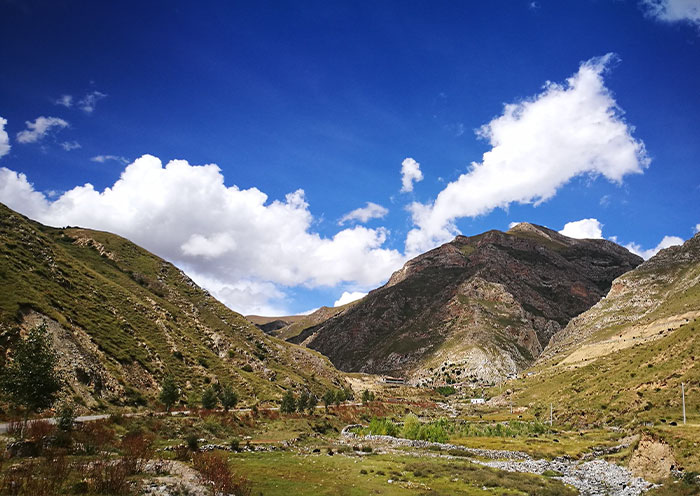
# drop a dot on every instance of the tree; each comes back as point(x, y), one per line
point(30, 380)
point(288, 403)
point(209, 399)
point(339, 397)
point(328, 399)
point(367, 396)
point(169, 392)
point(311, 404)
point(303, 401)
point(228, 397)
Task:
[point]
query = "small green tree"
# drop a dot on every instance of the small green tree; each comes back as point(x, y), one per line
point(209, 399)
point(367, 396)
point(66, 417)
point(303, 401)
point(228, 397)
point(288, 403)
point(311, 404)
point(340, 396)
point(328, 399)
point(169, 392)
point(30, 379)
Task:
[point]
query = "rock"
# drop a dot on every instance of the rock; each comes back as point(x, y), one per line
point(23, 449)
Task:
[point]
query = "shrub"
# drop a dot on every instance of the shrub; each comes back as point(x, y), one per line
point(169, 393)
point(209, 399)
point(288, 403)
point(411, 427)
point(39, 429)
point(192, 442)
point(228, 397)
point(383, 427)
point(66, 417)
point(215, 469)
point(136, 449)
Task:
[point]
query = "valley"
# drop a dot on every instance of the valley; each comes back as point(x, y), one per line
point(511, 363)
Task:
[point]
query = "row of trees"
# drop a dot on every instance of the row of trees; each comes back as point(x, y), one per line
point(309, 401)
point(211, 397)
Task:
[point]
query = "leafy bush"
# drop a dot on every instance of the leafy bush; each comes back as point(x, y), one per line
point(215, 469)
point(445, 390)
point(383, 427)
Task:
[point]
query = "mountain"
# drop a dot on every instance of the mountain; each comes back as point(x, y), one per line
point(297, 328)
point(121, 318)
point(473, 310)
point(623, 361)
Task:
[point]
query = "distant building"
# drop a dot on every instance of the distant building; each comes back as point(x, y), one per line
point(477, 401)
point(393, 380)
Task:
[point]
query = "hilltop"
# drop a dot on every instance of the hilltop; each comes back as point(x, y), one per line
point(474, 310)
point(121, 318)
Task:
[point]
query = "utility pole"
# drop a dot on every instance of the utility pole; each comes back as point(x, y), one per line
point(550, 415)
point(683, 394)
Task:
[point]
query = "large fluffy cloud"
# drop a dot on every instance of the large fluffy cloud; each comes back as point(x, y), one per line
point(410, 173)
point(673, 10)
point(363, 214)
point(583, 229)
point(37, 130)
point(4, 138)
point(223, 234)
point(538, 145)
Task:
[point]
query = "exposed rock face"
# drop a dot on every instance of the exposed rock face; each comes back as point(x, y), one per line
point(475, 309)
point(652, 460)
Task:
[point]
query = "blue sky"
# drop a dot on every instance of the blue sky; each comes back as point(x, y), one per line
point(587, 110)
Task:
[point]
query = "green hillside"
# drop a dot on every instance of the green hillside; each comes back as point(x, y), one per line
point(122, 318)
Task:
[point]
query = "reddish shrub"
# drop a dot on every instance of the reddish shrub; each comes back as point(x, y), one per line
point(214, 468)
point(39, 429)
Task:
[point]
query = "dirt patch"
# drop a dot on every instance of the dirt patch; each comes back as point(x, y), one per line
point(652, 459)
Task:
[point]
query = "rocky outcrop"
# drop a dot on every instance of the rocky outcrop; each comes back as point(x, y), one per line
point(473, 310)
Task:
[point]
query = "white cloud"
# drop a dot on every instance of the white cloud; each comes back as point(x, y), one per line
point(38, 129)
point(4, 138)
point(347, 297)
point(583, 229)
point(697, 228)
point(101, 159)
point(647, 254)
point(410, 173)
point(513, 224)
point(70, 145)
point(88, 103)
point(363, 214)
point(673, 10)
point(538, 145)
point(187, 215)
point(65, 101)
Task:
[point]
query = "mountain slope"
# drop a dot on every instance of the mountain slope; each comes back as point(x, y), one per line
point(623, 361)
point(122, 318)
point(475, 309)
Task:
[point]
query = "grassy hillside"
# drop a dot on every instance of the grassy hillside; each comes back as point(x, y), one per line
point(122, 318)
point(623, 361)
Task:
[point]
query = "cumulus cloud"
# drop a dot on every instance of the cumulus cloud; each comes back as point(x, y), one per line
point(646, 254)
point(37, 130)
point(65, 101)
point(348, 297)
point(224, 234)
point(70, 145)
point(537, 146)
point(101, 159)
point(4, 138)
point(410, 173)
point(673, 10)
point(88, 103)
point(697, 228)
point(363, 214)
point(583, 229)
